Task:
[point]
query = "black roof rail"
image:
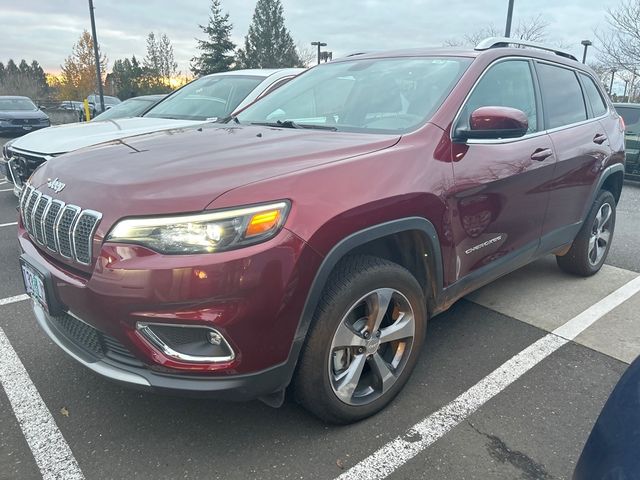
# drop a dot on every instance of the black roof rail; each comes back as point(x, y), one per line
point(497, 42)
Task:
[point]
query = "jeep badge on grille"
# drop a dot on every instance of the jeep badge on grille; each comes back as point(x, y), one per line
point(56, 185)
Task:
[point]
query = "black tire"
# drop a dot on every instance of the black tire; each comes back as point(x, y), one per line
point(352, 280)
point(580, 259)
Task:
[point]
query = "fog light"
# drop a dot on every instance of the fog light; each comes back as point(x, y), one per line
point(187, 343)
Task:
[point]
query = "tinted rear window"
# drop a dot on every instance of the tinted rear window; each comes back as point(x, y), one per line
point(592, 92)
point(631, 118)
point(561, 95)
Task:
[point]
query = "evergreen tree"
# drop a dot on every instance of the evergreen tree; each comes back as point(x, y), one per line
point(217, 50)
point(2, 69)
point(159, 63)
point(268, 43)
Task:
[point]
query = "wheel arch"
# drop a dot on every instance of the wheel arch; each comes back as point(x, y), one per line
point(379, 240)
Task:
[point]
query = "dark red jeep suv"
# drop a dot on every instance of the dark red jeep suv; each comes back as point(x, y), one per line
point(308, 240)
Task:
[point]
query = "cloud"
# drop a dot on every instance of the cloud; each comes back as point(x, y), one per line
point(46, 30)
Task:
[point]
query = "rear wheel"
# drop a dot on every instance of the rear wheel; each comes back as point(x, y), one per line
point(364, 341)
point(591, 246)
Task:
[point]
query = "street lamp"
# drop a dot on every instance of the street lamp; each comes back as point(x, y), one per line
point(613, 73)
point(318, 44)
point(587, 44)
point(507, 30)
point(96, 52)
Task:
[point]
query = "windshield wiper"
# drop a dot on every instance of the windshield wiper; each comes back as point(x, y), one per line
point(228, 119)
point(292, 124)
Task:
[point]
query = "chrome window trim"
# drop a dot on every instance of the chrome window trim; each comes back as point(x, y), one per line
point(532, 134)
point(98, 217)
point(57, 228)
point(144, 329)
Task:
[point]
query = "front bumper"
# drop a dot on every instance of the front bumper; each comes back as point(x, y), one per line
point(236, 387)
point(252, 296)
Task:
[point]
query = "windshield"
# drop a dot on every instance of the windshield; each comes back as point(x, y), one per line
point(129, 108)
point(207, 98)
point(631, 118)
point(17, 104)
point(107, 99)
point(370, 95)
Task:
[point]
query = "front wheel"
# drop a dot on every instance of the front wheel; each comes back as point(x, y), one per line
point(591, 246)
point(364, 342)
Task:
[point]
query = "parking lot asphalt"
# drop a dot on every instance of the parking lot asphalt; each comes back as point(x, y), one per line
point(533, 428)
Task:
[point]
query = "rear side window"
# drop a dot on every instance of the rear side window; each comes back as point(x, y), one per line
point(506, 84)
point(592, 92)
point(561, 95)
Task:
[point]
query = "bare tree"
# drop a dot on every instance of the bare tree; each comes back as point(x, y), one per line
point(308, 56)
point(533, 29)
point(620, 44)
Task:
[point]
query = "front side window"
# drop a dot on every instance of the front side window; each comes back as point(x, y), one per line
point(592, 92)
point(506, 84)
point(561, 95)
point(388, 95)
point(207, 98)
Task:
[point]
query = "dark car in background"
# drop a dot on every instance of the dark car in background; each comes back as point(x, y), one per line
point(20, 115)
point(612, 451)
point(132, 107)
point(95, 106)
point(630, 112)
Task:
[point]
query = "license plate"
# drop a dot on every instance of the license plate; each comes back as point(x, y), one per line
point(26, 127)
point(34, 284)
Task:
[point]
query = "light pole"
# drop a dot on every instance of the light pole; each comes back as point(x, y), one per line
point(319, 45)
point(96, 52)
point(507, 30)
point(613, 73)
point(587, 44)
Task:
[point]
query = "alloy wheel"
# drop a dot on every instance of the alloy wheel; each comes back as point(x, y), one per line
point(600, 234)
point(371, 346)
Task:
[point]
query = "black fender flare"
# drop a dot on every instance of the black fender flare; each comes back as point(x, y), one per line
point(346, 245)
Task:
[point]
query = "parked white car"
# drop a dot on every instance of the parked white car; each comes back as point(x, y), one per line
point(206, 99)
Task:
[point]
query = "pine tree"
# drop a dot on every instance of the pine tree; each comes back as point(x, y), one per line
point(218, 49)
point(268, 43)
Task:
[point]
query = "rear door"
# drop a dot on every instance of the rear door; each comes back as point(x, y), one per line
point(581, 146)
point(500, 201)
point(631, 116)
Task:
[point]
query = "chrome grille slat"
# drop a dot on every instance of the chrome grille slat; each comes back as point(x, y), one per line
point(38, 214)
point(67, 230)
point(64, 228)
point(49, 224)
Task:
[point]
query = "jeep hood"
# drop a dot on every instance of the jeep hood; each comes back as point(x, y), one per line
point(184, 171)
point(72, 136)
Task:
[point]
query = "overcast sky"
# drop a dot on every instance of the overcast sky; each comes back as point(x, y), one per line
point(45, 30)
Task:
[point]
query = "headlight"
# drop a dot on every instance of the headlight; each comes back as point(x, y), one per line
point(203, 232)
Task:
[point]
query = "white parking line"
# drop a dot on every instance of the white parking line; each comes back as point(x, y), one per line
point(17, 298)
point(50, 450)
point(8, 224)
point(423, 434)
point(6, 190)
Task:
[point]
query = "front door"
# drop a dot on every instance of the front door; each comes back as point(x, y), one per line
point(499, 204)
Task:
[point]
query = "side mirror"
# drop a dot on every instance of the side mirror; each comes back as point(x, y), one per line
point(492, 123)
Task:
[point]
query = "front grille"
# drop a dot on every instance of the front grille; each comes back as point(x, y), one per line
point(23, 164)
point(64, 229)
point(92, 341)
